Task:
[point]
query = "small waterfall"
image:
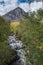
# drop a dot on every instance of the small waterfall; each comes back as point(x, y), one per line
point(21, 53)
point(17, 45)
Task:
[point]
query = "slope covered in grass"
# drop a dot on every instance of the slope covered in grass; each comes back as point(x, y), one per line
point(30, 31)
point(6, 54)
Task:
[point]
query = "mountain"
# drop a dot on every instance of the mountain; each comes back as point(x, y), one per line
point(15, 14)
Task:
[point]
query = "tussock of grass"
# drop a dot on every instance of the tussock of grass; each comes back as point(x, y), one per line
point(14, 24)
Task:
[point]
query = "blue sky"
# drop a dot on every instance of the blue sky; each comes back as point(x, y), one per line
point(25, 1)
point(8, 5)
point(21, 1)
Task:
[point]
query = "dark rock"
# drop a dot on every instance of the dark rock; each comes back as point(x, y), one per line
point(15, 14)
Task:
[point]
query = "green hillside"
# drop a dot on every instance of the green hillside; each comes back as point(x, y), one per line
point(6, 54)
point(30, 31)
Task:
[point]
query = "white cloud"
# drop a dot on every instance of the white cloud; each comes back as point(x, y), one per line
point(35, 6)
point(11, 4)
point(1, 0)
point(24, 6)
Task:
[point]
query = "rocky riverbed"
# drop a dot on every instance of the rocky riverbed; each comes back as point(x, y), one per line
point(17, 45)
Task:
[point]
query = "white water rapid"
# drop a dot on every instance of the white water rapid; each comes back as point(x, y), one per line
point(17, 45)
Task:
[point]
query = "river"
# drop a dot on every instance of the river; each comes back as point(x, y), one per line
point(17, 45)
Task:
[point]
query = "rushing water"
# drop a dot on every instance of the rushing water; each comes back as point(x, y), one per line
point(17, 45)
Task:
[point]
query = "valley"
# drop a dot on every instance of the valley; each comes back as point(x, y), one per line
point(28, 29)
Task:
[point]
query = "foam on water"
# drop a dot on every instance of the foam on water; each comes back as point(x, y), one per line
point(17, 46)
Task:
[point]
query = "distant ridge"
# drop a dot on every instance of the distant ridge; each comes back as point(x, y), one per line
point(15, 14)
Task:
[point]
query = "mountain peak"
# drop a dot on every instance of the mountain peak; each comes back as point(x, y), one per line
point(15, 14)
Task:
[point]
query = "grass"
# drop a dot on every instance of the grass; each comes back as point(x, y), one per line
point(14, 24)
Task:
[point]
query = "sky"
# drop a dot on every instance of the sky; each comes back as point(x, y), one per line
point(8, 5)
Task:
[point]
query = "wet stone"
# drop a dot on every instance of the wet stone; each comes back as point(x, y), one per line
point(17, 45)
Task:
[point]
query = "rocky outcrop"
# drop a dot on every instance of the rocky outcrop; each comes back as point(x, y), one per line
point(15, 14)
